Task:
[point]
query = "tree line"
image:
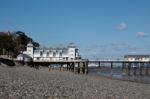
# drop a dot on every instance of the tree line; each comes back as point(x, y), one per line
point(13, 43)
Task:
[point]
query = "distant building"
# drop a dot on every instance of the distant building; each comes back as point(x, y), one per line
point(137, 57)
point(50, 54)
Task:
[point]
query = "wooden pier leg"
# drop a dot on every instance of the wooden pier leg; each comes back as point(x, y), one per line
point(123, 67)
point(111, 66)
point(78, 68)
point(67, 67)
point(86, 68)
point(74, 67)
point(135, 67)
point(99, 65)
point(126, 66)
point(147, 69)
point(49, 67)
point(61, 67)
point(81, 67)
point(70, 66)
point(141, 68)
point(129, 68)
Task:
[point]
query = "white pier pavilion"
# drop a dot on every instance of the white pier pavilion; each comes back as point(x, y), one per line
point(50, 54)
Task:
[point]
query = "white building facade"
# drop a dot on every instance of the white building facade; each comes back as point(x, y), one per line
point(143, 58)
point(51, 54)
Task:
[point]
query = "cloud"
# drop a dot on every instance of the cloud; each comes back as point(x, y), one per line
point(95, 47)
point(141, 34)
point(123, 47)
point(120, 46)
point(122, 26)
point(110, 50)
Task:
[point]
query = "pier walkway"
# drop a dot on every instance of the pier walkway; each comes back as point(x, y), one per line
point(81, 65)
point(77, 66)
point(4, 59)
point(126, 66)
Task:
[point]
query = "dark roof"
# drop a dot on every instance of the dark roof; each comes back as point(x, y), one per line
point(51, 49)
point(29, 44)
point(24, 55)
point(137, 56)
point(71, 45)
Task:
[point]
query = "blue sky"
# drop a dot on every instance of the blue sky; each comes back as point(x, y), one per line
point(99, 28)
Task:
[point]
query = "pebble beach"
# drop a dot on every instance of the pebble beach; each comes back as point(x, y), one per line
point(29, 83)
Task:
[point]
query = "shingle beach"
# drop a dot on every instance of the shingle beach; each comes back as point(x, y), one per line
point(30, 83)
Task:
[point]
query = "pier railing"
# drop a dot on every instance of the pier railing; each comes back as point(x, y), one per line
point(76, 60)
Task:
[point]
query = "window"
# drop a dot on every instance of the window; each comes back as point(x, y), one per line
point(47, 54)
point(60, 54)
point(54, 54)
point(41, 53)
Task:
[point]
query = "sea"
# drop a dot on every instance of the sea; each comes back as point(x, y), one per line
point(117, 73)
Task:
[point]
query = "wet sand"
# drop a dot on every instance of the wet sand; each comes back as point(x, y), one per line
point(30, 83)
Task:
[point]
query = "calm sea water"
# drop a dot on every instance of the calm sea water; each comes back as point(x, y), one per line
point(117, 73)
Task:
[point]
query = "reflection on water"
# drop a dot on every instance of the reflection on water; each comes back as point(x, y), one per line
point(118, 74)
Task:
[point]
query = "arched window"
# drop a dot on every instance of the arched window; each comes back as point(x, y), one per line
point(60, 54)
point(47, 53)
point(41, 53)
point(54, 54)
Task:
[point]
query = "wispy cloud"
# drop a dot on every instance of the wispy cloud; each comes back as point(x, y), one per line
point(95, 47)
point(122, 26)
point(141, 34)
point(123, 47)
point(114, 49)
point(119, 45)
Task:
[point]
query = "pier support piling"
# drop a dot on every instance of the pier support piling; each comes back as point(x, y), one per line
point(111, 66)
point(123, 67)
point(129, 68)
point(147, 69)
point(141, 68)
point(99, 65)
point(135, 68)
point(78, 68)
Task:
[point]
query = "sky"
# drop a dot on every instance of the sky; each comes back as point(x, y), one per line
point(101, 29)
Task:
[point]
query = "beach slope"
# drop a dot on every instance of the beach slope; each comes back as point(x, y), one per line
point(30, 83)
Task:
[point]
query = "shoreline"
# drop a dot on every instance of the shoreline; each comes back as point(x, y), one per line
point(121, 79)
point(117, 74)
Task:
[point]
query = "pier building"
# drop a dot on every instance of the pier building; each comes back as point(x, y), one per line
point(50, 54)
point(137, 58)
point(68, 57)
